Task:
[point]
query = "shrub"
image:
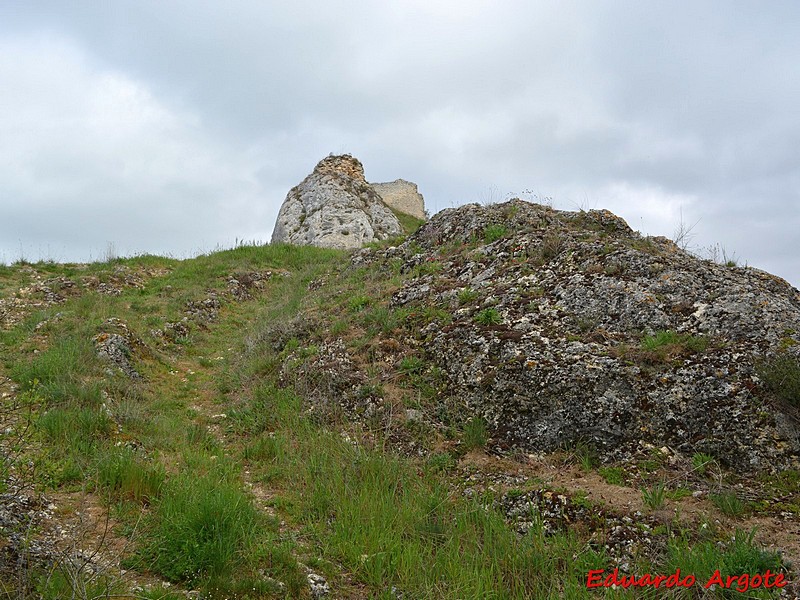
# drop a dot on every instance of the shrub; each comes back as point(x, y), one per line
point(494, 232)
point(489, 316)
point(781, 374)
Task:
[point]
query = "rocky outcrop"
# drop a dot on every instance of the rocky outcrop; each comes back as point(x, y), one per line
point(335, 207)
point(402, 196)
point(569, 328)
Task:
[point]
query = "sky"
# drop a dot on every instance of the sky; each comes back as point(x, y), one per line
point(177, 127)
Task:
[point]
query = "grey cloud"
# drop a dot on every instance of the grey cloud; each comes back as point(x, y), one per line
point(652, 108)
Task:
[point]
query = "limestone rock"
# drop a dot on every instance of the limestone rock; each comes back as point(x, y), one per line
point(569, 328)
point(116, 346)
point(335, 207)
point(402, 196)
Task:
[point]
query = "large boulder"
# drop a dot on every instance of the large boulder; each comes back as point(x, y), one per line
point(335, 207)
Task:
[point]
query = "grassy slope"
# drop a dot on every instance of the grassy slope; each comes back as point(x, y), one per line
point(222, 480)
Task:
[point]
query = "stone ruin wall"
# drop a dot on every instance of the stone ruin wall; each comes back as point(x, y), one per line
point(403, 196)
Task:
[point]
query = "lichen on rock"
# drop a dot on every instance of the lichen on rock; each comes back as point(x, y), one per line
point(572, 328)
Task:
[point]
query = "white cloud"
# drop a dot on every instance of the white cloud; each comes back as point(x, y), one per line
point(647, 208)
point(93, 150)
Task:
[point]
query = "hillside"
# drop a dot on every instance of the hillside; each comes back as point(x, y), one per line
point(490, 407)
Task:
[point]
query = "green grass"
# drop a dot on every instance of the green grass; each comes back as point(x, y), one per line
point(730, 504)
point(781, 374)
point(494, 232)
point(126, 476)
point(74, 431)
point(411, 365)
point(265, 449)
point(72, 580)
point(586, 455)
point(59, 373)
point(475, 434)
point(678, 493)
point(467, 295)
point(666, 345)
point(701, 462)
point(737, 556)
point(359, 303)
point(408, 222)
point(441, 462)
point(667, 338)
point(654, 496)
point(344, 494)
point(202, 527)
point(379, 320)
point(612, 475)
point(489, 316)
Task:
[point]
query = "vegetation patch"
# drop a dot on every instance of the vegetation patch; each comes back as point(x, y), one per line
point(738, 556)
point(781, 374)
point(125, 475)
point(475, 434)
point(730, 504)
point(202, 527)
point(612, 475)
point(489, 316)
point(666, 339)
point(492, 233)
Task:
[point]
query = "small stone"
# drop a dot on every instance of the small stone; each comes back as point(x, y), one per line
point(319, 587)
point(412, 414)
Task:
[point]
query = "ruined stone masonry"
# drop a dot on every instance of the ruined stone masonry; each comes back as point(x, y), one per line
point(402, 196)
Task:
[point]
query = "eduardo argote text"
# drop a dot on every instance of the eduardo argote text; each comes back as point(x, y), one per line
point(598, 578)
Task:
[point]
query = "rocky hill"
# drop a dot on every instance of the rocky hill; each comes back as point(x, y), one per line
point(568, 327)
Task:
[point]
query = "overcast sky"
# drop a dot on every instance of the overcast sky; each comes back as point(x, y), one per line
point(177, 127)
